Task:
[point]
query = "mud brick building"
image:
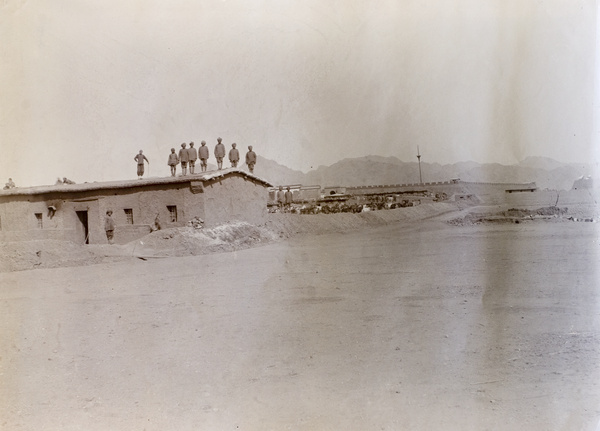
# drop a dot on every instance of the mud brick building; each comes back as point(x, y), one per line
point(76, 212)
point(300, 193)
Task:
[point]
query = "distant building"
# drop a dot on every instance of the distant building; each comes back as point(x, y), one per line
point(331, 190)
point(451, 187)
point(490, 192)
point(531, 187)
point(583, 183)
point(77, 213)
point(300, 193)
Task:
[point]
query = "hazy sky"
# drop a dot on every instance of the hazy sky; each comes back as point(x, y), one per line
point(86, 84)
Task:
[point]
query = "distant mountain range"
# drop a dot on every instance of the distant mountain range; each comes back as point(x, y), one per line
point(372, 170)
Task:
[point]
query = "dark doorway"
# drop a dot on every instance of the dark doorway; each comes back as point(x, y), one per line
point(83, 233)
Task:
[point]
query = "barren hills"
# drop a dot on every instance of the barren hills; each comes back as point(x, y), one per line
point(546, 172)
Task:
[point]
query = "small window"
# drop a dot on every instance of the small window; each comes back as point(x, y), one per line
point(172, 213)
point(40, 223)
point(129, 215)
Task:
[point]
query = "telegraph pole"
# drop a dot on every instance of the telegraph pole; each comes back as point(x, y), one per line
point(419, 158)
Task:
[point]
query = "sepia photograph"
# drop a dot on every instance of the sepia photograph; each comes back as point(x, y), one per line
point(296, 215)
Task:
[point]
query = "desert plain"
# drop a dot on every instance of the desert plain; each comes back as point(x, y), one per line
point(411, 324)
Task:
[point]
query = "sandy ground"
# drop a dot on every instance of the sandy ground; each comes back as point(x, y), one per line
point(405, 326)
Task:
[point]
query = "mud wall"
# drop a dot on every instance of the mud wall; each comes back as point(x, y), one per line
point(194, 201)
point(79, 216)
point(234, 198)
point(145, 204)
point(488, 193)
point(49, 216)
point(18, 220)
point(308, 194)
point(299, 194)
point(448, 187)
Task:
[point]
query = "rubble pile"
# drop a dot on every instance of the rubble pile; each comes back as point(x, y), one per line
point(545, 211)
point(512, 215)
point(196, 223)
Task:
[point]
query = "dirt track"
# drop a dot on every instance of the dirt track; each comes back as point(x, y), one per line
point(421, 326)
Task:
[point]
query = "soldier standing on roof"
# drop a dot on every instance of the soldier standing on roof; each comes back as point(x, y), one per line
point(203, 154)
point(219, 153)
point(173, 161)
point(250, 159)
point(139, 158)
point(193, 156)
point(183, 159)
point(234, 156)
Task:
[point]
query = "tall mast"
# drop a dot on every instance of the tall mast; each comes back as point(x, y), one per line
point(419, 158)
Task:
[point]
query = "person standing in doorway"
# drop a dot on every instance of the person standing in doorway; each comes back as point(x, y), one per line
point(219, 153)
point(193, 156)
point(139, 158)
point(234, 155)
point(183, 159)
point(250, 159)
point(203, 154)
point(173, 161)
point(109, 226)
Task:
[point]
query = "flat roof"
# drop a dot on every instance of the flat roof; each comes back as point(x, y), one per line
point(297, 186)
point(124, 184)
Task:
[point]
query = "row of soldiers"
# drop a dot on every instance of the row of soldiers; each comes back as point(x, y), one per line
point(188, 156)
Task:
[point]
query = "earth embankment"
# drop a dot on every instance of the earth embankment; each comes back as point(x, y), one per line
point(184, 241)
